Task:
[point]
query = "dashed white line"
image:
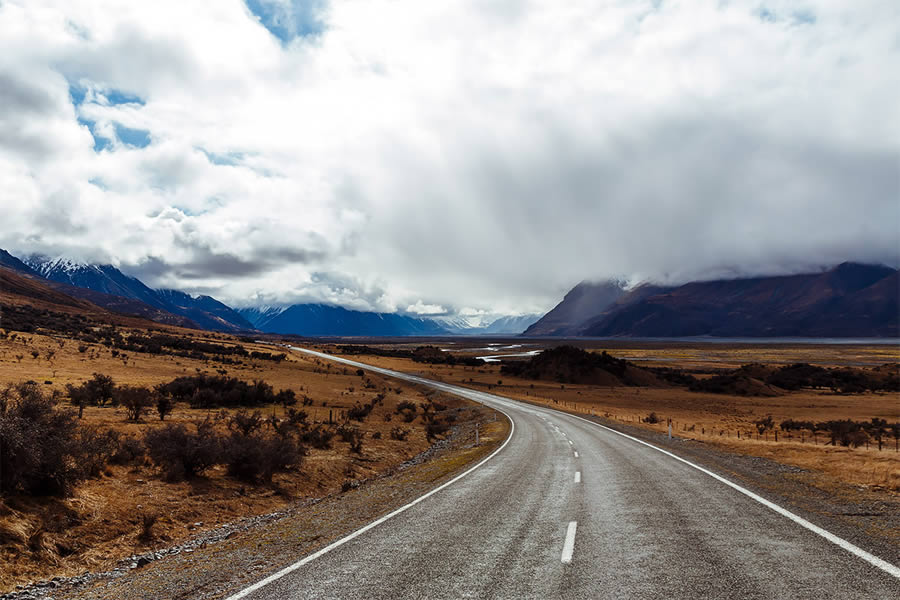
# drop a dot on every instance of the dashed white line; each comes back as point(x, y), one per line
point(569, 545)
point(576, 454)
point(873, 560)
point(577, 476)
point(571, 443)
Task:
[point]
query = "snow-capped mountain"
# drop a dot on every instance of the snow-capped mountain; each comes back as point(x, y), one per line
point(100, 278)
point(202, 311)
point(512, 325)
point(480, 325)
point(259, 315)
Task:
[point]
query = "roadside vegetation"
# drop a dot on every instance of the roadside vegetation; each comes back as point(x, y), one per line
point(105, 452)
point(832, 411)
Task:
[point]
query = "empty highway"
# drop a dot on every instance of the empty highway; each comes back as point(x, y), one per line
point(569, 509)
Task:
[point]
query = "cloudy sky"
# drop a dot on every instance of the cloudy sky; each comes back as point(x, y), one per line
point(468, 156)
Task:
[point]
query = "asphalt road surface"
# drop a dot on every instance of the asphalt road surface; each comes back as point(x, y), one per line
point(569, 509)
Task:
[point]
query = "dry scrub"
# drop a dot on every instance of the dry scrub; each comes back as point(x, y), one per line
point(352, 430)
point(718, 418)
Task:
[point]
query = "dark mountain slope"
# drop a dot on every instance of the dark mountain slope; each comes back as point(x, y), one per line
point(585, 301)
point(850, 300)
point(205, 311)
point(106, 279)
point(8, 260)
point(107, 286)
point(18, 288)
point(325, 320)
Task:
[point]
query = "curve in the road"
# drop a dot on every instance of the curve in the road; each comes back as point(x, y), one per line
point(647, 526)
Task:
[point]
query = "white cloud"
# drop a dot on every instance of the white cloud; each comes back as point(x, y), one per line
point(483, 155)
point(420, 308)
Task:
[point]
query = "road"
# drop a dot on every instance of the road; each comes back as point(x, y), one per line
point(568, 509)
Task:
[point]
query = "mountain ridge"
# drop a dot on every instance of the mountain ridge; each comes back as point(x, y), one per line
point(849, 300)
point(327, 320)
point(108, 287)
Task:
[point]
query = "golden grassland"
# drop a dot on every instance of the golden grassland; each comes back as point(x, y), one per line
point(715, 418)
point(101, 521)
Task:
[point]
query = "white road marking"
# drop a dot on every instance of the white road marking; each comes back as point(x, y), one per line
point(576, 454)
point(870, 558)
point(291, 568)
point(569, 545)
point(577, 476)
point(873, 560)
point(571, 443)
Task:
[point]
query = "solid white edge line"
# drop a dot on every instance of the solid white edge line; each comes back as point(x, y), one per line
point(577, 476)
point(337, 543)
point(569, 544)
point(870, 558)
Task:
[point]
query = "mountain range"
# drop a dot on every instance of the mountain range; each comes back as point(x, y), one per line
point(850, 300)
point(327, 320)
point(201, 312)
point(105, 286)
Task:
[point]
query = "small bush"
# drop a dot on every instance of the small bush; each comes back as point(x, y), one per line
point(399, 433)
point(256, 458)
point(40, 445)
point(405, 405)
point(359, 412)
point(98, 447)
point(352, 436)
point(317, 437)
point(147, 522)
point(131, 451)
point(164, 406)
point(182, 454)
point(134, 399)
point(436, 427)
point(651, 418)
point(246, 423)
point(296, 417)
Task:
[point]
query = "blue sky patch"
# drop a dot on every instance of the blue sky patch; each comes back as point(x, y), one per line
point(100, 142)
point(223, 158)
point(138, 138)
point(79, 93)
point(289, 19)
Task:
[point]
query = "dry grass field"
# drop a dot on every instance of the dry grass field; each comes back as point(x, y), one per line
point(715, 418)
point(103, 520)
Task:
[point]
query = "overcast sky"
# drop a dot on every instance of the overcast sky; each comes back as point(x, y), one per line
point(429, 156)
